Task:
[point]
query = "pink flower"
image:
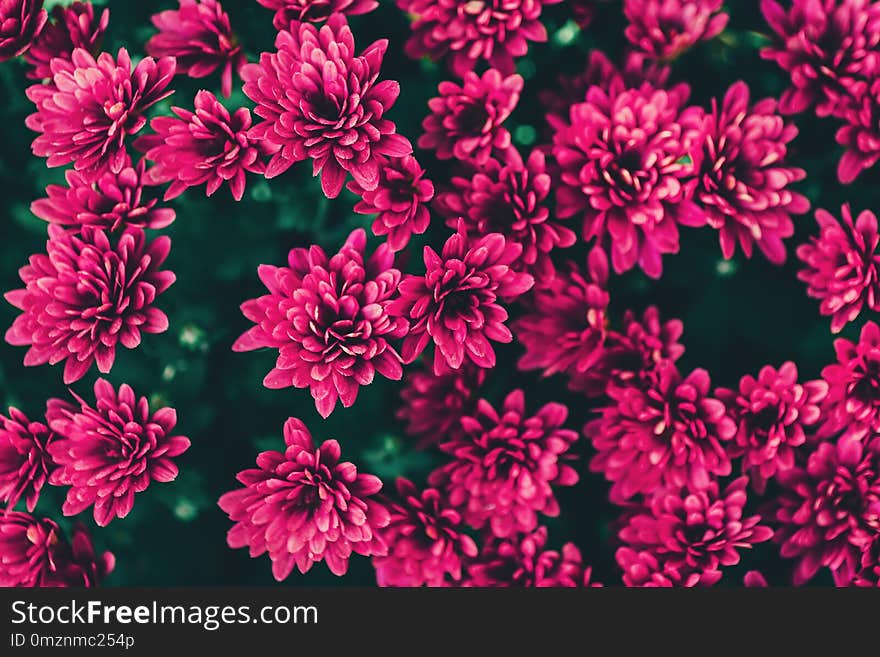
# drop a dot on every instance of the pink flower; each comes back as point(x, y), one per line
point(400, 201)
point(305, 505)
point(20, 23)
point(207, 146)
point(320, 101)
point(315, 11)
point(623, 159)
point(455, 303)
point(85, 295)
point(25, 462)
point(510, 199)
point(112, 202)
point(494, 31)
point(670, 434)
point(771, 413)
point(329, 319)
point(664, 29)
point(85, 114)
point(200, 37)
point(860, 135)
point(743, 177)
point(433, 404)
point(466, 121)
point(426, 545)
point(506, 464)
point(687, 536)
point(829, 511)
point(110, 452)
point(828, 47)
point(71, 27)
point(841, 266)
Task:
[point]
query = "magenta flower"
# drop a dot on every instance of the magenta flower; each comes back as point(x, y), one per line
point(743, 177)
point(771, 413)
point(91, 106)
point(494, 31)
point(506, 464)
point(426, 545)
point(455, 303)
point(198, 35)
point(85, 295)
point(314, 11)
point(20, 23)
point(510, 199)
point(466, 121)
point(304, 505)
point(112, 202)
point(71, 27)
point(433, 404)
point(685, 537)
point(828, 47)
point(330, 320)
point(860, 135)
point(110, 452)
point(400, 201)
point(664, 29)
point(205, 147)
point(829, 511)
point(841, 266)
point(320, 101)
point(623, 160)
point(670, 434)
point(25, 462)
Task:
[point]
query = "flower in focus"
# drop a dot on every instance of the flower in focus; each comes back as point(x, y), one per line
point(466, 121)
point(86, 294)
point(20, 23)
point(70, 27)
point(841, 265)
point(198, 35)
point(305, 505)
point(743, 178)
point(400, 201)
point(664, 29)
point(455, 303)
point(208, 146)
point(860, 134)
point(85, 114)
point(320, 101)
point(314, 11)
point(426, 546)
point(506, 464)
point(25, 462)
point(109, 452)
point(329, 319)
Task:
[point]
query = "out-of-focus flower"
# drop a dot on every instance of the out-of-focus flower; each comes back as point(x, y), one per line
point(330, 320)
point(860, 134)
point(664, 29)
point(70, 27)
point(86, 294)
point(20, 23)
point(109, 452)
point(506, 464)
point(25, 462)
point(314, 11)
point(304, 505)
point(841, 265)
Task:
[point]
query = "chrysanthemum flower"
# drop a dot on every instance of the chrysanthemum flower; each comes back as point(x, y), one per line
point(205, 147)
point(670, 434)
point(320, 101)
point(860, 134)
point(828, 47)
point(664, 29)
point(842, 266)
point(86, 294)
point(198, 35)
point(330, 319)
point(112, 202)
point(510, 199)
point(304, 505)
point(426, 544)
point(466, 120)
point(25, 462)
point(743, 177)
point(506, 464)
point(828, 513)
point(314, 11)
point(110, 452)
point(400, 201)
point(70, 27)
point(626, 161)
point(771, 412)
point(20, 23)
point(455, 303)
